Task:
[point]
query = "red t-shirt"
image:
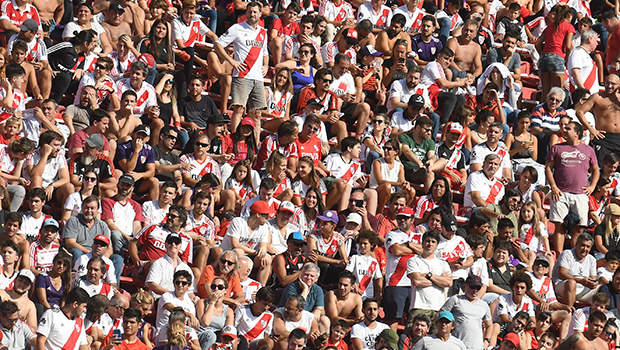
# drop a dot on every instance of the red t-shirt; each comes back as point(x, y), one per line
point(79, 138)
point(208, 274)
point(613, 46)
point(310, 148)
point(554, 39)
point(5, 141)
point(290, 30)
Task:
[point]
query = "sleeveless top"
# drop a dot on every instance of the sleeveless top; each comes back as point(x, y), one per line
point(520, 154)
point(165, 111)
point(291, 266)
point(387, 173)
point(300, 80)
point(217, 322)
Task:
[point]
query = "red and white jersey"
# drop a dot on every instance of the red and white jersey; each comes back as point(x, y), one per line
point(268, 146)
point(31, 226)
point(37, 51)
point(544, 288)
point(328, 247)
point(90, 62)
point(305, 323)
point(11, 12)
point(300, 188)
point(93, 289)
point(343, 85)
point(491, 190)
point(580, 59)
point(282, 185)
point(424, 205)
point(240, 188)
point(41, 258)
point(250, 287)
point(335, 13)
point(452, 250)
point(480, 151)
point(7, 164)
point(455, 20)
point(330, 50)
point(506, 306)
point(208, 165)
point(597, 208)
point(366, 269)
point(250, 48)
point(203, 226)
point(278, 101)
point(380, 19)
point(253, 327)
point(188, 33)
point(340, 169)
point(121, 65)
point(153, 213)
point(62, 333)
point(153, 240)
point(579, 320)
point(311, 148)
point(414, 20)
point(614, 189)
point(107, 325)
point(432, 71)
point(529, 239)
point(396, 266)
point(19, 104)
point(292, 45)
point(147, 96)
point(6, 282)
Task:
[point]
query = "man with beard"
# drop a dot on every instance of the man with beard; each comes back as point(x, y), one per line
point(589, 340)
point(292, 315)
point(82, 229)
point(287, 266)
point(150, 243)
point(249, 66)
point(195, 108)
point(158, 279)
point(455, 251)
point(19, 295)
point(356, 111)
point(92, 159)
point(424, 44)
point(387, 37)
point(341, 303)
point(146, 104)
point(419, 329)
point(168, 165)
point(41, 119)
point(201, 229)
point(99, 124)
point(508, 207)
point(136, 158)
point(93, 282)
point(467, 53)
point(122, 214)
point(364, 334)
point(47, 168)
point(401, 90)
point(395, 67)
point(506, 55)
point(281, 228)
point(443, 338)
point(77, 116)
point(450, 160)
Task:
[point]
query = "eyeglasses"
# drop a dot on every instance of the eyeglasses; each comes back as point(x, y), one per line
point(329, 81)
point(555, 100)
point(171, 137)
point(181, 283)
point(217, 286)
point(90, 178)
point(169, 81)
point(203, 145)
point(388, 148)
point(304, 52)
point(377, 121)
point(226, 262)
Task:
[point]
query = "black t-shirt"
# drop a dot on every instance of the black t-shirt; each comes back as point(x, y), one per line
point(444, 152)
point(102, 167)
point(611, 243)
point(398, 74)
point(161, 56)
point(165, 159)
point(197, 112)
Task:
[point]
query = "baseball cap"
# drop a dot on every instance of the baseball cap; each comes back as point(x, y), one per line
point(329, 215)
point(261, 207)
point(103, 239)
point(313, 101)
point(351, 35)
point(406, 211)
point(613, 209)
point(456, 128)
point(217, 118)
point(117, 6)
point(147, 59)
point(513, 338)
point(143, 129)
point(248, 121)
point(416, 100)
point(473, 281)
point(390, 336)
point(447, 315)
point(29, 25)
point(95, 141)
point(287, 206)
point(296, 237)
point(26, 273)
point(173, 236)
point(355, 217)
point(369, 50)
point(230, 331)
point(128, 179)
point(50, 222)
point(449, 222)
point(543, 259)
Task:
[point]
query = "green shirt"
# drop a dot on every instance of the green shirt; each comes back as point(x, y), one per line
point(420, 150)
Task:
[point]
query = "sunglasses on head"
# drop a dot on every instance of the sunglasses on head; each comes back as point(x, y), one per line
point(217, 286)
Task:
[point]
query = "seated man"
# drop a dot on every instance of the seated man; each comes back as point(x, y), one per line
point(122, 214)
point(137, 159)
point(158, 279)
point(492, 146)
point(102, 82)
point(287, 266)
point(11, 232)
point(123, 120)
point(99, 123)
point(110, 321)
point(508, 305)
point(345, 44)
point(147, 97)
point(77, 116)
point(33, 219)
point(45, 248)
point(545, 119)
point(155, 212)
point(579, 320)
point(451, 162)
point(92, 158)
point(283, 141)
point(467, 53)
point(482, 186)
point(341, 303)
point(418, 153)
point(387, 37)
point(16, 333)
point(92, 282)
point(168, 165)
point(281, 28)
point(100, 247)
point(255, 321)
point(293, 316)
point(575, 273)
point(82, 229)
point(19, 295)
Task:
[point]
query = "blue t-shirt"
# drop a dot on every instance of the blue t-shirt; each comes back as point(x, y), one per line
point(315, 297)
point(125, 151)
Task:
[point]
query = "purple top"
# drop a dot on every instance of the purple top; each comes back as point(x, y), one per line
point(53, 296)
point(571, 166)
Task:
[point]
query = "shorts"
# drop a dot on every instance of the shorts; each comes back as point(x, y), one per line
point(395, 301)
point(348, 109)
point(584, 294)
point(248, 92)
point(551, 63)
point(570, 202)
point(329, 181)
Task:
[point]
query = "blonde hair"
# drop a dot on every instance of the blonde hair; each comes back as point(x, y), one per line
point(535, 221)
point(607, 224)
point(141, 297)
point(176, 334)
point(15, 121)
point(274, 162)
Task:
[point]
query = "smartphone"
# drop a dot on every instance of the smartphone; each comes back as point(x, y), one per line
point(359, 203)
point(528, 143)
point(117, 334)
point(401, 60)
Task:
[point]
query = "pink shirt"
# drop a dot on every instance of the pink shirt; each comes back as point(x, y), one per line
point(554, 39)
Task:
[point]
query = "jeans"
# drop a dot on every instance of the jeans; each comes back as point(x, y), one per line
point(182, 138)
point(436, 121)
point(118, 262)
point(211, 14)
point(150, 78)
point(371, 157)
point(449, 102)
point(77, 253)
point(444, 29)
point(119, 243)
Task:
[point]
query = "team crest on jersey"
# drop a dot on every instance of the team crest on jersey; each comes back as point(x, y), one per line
point(263, 323)
point(316, 148)
point(433, 49)
point(142, 159)
point(195, 29)
point(480, 39)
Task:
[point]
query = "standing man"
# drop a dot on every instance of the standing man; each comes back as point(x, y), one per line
point(250, 62)
point(582, 68)
point(364, 334)
point(567, 170)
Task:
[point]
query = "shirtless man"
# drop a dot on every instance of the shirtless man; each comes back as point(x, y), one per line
point(388, 36)
point(134, 16)
point(589, 340)
point(467, 53)
point(19, 295)
point(606, 108)
point(20, 50)
point(114, 24)
point(123, 121)
point(12, 225)
point(340, 303)
point(50, 12)
point(220, 73)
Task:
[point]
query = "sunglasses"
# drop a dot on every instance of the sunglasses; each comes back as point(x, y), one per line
point(100, 66)
point(388, 148)
point(313, 128)
point(90, 178)
point(378, 121)
point(181, 283)
point(169, 81)
point(555, 100)
point(229, 263)
point(217, 286)
point(203, 145)
point(329, 81)
point(103, 244)
point(170, 137)
point(304, 52)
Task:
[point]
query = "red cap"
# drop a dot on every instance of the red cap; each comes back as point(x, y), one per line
point(248, 121)
point(406, 211)
point(103, 239)
point(261, 207)
point(513, 338)
point(147, 59)
point(351, 33)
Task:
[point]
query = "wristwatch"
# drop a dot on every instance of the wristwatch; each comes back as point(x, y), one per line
point(429, 275)
point(488, 340)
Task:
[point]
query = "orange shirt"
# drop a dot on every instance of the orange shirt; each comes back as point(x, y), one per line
point(208, 274)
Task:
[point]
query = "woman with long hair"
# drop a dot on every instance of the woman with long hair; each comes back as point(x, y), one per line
point(465, 116)
point(85, 21)
point(279, 96)
point(607, 234)
point(243, 145)
point(276, 169)
point(319, 34)
point(374, 141)
point(4, 61)
point(168, 110)
point(440, 196)
point(388, 175)
point(307, 177)
point(484, 118)
point(305, 217)
point(213, 313)
point(90, 187)
point(302, 72)
point(51, 287)
point(523, 147)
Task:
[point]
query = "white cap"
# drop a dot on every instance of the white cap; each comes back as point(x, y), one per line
point(27, 274)
point(287, 206)
point(230, 331)
point(355, 217)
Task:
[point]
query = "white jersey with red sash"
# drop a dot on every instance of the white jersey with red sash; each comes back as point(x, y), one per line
point(208, 165)
point(9, 10)
point(41, 258)
point(146, 94)
point(188, 33)
point(19, 104)
point(153, 240)
point(6, 282)
point(455, 20)
point(453, 249)
point(330, 50)
point(107, 325)
point(380, 19)
point(62, 332)
point(481, 150)
point(614, 189)
point(544, 288)
point(335, 13)
point(328, 247)
point(204, 227)
point(396, 266)
point(580, 59)
point(121, 65)
point(430, 74)
point(282, 185)
point(93, 289)
point(253, 327)
point(304, 323)
point(529, 240)
point(37, 51)
point(278, 101)
point(250, 287)
point(90, 62)
point(340, 169)
point(414, 20)
point(250, 48)
point(7, 163)
point(506, 306)
point(366, 269)
point(597, 207)
point(240, 188)
point(424, 205)
point(89, 79)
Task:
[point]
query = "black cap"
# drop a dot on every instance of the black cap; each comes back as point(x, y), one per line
point(217, 118)
point(416, 100)
point(128, 179)
point(473, 281)
point(117, 6)
point(449, 222)
point(173, 236)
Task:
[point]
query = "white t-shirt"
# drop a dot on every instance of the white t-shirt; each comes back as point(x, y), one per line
point(74, 203)
point(491, 190)
point(579, 320)
point(80, 268)
point(153, 213)
point(366, 269)
point(576, 268)
point(72, 28)
point(367, 335)
point(170, 298)
point(250, 287)
point(529, 239)
point(305, 323)
point(544, 288)
point(430, 74)
point(432, 297)
point(396, 266)
point(343, 85)
point(52, 166)
point(480, 151)
point(379, 20)
point(399, 89)
point(61, 332)
point(239, 229)
point(187, 33)
point(506, 306)
point(480, 269)
point(580, 59)
point(453, 249)
point(162, 271)
point(250, 326)
point(31, 226)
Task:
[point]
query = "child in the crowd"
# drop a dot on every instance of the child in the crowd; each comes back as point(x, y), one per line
point(365, 267)
point(480, 266)
point(143, 301)
point(547, 341)
point(597, 201)
point(605, 273)
point(12, 127)
point(229, 338)
point(276, 169)
point(350, 231)
point(337, 333)
point(240, 182)
point(177, 318)
point(10, 256)
point(533, 234)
